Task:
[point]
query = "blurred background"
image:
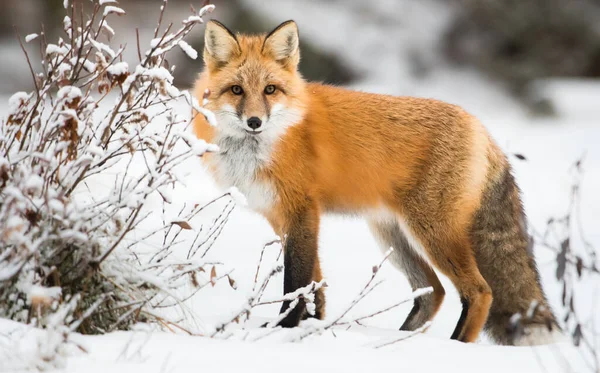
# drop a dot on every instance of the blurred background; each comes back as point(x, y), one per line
point(388, 45)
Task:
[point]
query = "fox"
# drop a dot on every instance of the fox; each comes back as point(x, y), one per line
point(425, 174)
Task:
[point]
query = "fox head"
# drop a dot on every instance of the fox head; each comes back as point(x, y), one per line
point(255, 89)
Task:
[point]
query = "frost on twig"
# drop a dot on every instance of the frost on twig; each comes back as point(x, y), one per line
point(371, 285)
point(577, 261)
point(93, 117)
point(240, 317)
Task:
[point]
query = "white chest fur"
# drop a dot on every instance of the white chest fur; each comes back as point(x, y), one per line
point(237, 164)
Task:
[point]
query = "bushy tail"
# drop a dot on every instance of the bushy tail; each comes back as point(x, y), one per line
point(520, 314)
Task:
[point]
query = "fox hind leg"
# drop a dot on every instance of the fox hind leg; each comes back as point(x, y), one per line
point(457, 262)
point(418, 272)
point(453, 256)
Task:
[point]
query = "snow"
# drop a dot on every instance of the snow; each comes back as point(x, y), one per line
point(192, 19)
point(154, 351)
point(173, 91)
point(88, 65)
point(206, 9)
point(69, 93)
point(108, 28)
point(31, 37)
point(211, 118)
point(55, 49)
point(34, 183)
point(209, 115)
point(119, 68)
point(237, 196)
point(198, 146)
point(154, 42)
point(42, 293)
point(159, 73)
point(101, 47)
point(191, 52)
point(113, 9)
point(62, 69)
point(16, 100)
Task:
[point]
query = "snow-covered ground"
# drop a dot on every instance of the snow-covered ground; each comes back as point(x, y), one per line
point(350, 351)
point(550, 145)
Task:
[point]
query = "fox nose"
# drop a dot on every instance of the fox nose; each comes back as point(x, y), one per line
point(254, 123)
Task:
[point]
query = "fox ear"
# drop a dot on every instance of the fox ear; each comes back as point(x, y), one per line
point(283, 44)
point(220, 45)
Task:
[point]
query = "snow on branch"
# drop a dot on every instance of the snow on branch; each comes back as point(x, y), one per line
point(65, 247)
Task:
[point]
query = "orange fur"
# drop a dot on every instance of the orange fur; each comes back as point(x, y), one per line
point(423, 161)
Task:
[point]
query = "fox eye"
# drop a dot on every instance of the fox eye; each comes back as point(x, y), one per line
point(270, 89)
point(237, 90)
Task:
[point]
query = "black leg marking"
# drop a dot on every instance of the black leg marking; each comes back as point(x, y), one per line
point(461, 321)
point(407, 325)
point(300, 254)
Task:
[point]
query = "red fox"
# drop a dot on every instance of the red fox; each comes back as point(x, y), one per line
point(426, 175)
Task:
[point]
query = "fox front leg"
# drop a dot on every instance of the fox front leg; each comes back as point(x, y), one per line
point(300, 259)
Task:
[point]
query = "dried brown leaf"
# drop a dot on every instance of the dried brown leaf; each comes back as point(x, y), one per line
point(213, 275)
point(182, 224)
point(194, 279)
point(232, 282)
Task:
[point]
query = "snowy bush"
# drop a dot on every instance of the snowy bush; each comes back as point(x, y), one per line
point(66, 258)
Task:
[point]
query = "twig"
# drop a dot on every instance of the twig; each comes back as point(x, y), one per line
point(262, 252)
point(37, 88)
point(420, 330)
point(416, 294)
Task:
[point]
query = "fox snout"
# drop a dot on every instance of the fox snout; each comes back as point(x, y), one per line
point(254, 112)
point(254, 123)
